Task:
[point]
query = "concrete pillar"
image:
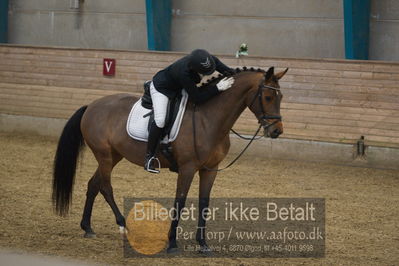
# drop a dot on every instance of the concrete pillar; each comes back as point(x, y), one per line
point(357, 27)
point(3, 21)
point(159, 18)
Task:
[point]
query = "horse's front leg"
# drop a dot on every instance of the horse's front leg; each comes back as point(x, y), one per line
point(184, 180)
point(206, 182)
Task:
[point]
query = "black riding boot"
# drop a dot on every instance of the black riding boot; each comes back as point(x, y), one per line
point(153, 140)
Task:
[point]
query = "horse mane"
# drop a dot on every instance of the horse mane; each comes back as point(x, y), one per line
point(214, 80)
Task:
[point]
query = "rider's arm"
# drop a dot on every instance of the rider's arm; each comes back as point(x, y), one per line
point(198, 95)
point(220, 67)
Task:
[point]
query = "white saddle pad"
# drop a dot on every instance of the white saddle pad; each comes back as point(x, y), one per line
point(137, 124)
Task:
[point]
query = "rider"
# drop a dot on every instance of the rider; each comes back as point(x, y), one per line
point(168, 83)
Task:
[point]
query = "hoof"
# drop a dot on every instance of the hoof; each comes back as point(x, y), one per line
point(206, 251)
point(90, 235)
point(122, 230)
point(174, 250)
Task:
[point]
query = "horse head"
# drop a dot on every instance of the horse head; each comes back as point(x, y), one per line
point(264, 101)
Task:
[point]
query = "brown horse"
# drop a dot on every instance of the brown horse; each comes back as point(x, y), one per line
point(102, 125)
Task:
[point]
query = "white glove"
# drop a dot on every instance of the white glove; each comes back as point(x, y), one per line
point(225, 84)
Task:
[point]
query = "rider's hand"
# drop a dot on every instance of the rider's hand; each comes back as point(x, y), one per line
point(225, 84)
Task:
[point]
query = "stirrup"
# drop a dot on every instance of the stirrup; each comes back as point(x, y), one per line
point(148, 164)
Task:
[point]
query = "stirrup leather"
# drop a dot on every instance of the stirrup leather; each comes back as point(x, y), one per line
point(148, 165)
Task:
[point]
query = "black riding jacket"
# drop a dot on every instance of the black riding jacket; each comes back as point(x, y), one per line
point(171, 80)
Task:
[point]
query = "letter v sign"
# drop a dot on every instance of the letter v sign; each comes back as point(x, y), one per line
point(109, 67)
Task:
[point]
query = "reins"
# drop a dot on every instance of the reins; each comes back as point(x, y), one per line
point(242, 137)
point(264, 117)
point(233, 161)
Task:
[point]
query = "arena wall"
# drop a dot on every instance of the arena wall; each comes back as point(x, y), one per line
point(330, 101)
point(289, 28)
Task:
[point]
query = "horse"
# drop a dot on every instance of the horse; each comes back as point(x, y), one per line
point(101, 125)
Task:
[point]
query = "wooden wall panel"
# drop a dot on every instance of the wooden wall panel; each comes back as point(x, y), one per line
point(326, 100)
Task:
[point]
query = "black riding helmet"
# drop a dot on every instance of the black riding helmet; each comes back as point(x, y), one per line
point(202, 62)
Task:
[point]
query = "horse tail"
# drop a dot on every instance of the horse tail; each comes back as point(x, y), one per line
point(64, 169)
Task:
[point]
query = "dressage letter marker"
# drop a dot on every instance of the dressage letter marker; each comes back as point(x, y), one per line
point(109, 67)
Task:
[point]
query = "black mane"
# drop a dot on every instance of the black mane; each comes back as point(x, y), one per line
point(214, 80)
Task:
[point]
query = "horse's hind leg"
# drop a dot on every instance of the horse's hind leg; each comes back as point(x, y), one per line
point(93, 187)
point(107, 191)
point(101, 181)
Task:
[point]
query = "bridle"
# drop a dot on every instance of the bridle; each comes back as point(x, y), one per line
point(262, 120)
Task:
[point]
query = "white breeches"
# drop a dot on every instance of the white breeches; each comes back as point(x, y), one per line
point(160, 105)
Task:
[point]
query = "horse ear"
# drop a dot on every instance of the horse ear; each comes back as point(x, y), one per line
point(279, 75)
point(269, 73)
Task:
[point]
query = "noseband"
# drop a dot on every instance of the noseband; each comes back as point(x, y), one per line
point(263, 120)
